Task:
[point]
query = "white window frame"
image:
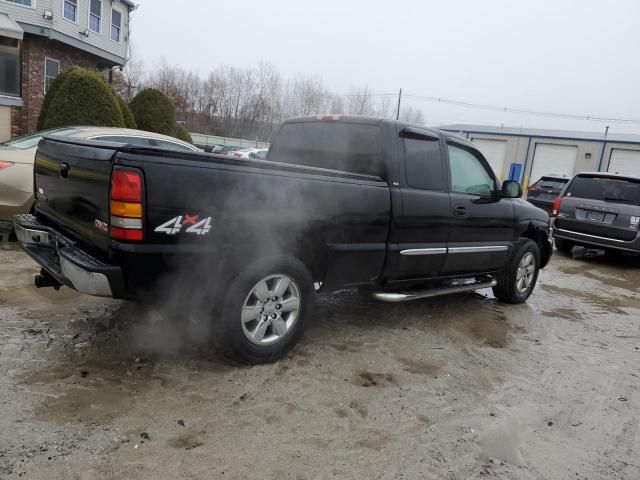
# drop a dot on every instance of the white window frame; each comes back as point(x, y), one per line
point(99, 31)
point(49, 59)
point(32, 6)
point(77, 11)
point(111, 24)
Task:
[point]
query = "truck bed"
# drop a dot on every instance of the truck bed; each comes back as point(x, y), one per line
point(225, 205)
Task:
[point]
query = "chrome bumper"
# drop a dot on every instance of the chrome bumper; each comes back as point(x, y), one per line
point(66, 262)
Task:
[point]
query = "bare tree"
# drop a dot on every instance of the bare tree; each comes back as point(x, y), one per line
point(251, 102)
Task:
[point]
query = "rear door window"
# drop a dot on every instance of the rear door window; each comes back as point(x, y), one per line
point(172, 145)
point(423, 164)
point(338, 146)
point(605, 189)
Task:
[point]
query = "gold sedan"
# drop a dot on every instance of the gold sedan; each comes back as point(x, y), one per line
point(17, 157)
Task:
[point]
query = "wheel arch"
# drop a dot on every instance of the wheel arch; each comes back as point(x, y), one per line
point(539, 235)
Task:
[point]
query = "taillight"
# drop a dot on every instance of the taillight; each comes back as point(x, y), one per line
point(4, 165)
point(556, 206)
point(126, 204)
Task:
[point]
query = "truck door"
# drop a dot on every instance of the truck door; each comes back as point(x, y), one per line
point(418, 238)
point(482, 224)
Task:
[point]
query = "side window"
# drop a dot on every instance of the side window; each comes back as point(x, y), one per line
point(51, 71)
point(423, 164)
point(116, 25)
point(70, 10)
point(124, 139)
point(468, 173)
point(172, 146)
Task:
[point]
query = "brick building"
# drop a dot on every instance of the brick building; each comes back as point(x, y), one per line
point(41, 38)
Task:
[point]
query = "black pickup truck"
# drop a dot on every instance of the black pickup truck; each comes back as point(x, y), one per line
point(400, 211)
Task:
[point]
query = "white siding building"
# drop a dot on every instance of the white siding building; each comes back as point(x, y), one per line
point(40, 38)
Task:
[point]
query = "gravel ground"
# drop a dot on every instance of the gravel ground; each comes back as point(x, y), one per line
point(449, 388)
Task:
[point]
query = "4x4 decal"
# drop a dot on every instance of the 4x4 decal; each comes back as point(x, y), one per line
point(176, 224)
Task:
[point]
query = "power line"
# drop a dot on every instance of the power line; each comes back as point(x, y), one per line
point(367, 94)
point(522, 111)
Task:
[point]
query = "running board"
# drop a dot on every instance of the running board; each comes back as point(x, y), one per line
point(397, 297)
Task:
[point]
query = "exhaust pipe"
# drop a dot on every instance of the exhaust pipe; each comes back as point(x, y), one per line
point(44, 279)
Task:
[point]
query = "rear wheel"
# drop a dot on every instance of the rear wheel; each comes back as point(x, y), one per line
point(267, 309)
point(519, 278)
point(563, 245)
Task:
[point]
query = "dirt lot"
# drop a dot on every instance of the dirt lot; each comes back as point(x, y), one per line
point(449, 388)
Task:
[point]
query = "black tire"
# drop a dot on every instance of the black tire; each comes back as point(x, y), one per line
point(506, 290)
point(227, 327)
point(563, 245)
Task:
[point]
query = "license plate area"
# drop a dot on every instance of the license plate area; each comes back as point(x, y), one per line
point(595, 216)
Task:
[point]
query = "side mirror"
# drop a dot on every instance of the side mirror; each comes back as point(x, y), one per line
point(511, 189)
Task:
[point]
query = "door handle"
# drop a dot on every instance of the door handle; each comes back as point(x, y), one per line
point(460, 210)
point(64, 169)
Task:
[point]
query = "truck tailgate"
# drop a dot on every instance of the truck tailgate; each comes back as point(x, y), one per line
point(72, 182)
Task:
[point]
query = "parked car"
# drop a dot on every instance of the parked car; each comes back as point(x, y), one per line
point(17, 155)
point(545, 191)
point(405, 212)
point(600, 210)
point(256, 153)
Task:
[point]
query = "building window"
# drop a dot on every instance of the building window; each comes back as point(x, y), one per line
point(116, 25)
point(70, 10)
point(51, 71)
point(95, 15)
point(26, 3)
point(9, 66)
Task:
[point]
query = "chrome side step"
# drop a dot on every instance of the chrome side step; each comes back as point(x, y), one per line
point(406, 296)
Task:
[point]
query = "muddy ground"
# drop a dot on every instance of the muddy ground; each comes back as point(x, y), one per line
point(448, 388)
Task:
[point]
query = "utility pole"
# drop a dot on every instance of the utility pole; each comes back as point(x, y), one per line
point(606, 131)
point(399, 100)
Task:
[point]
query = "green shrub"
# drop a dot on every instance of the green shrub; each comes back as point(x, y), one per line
point(154, 112)
point(50, 94)
point(82, 98)
point(127, 115)
point(183, 134)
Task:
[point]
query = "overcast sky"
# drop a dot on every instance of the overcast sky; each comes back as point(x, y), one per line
point(579, 57)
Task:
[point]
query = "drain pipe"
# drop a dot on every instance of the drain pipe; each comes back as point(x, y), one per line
point(604, 147)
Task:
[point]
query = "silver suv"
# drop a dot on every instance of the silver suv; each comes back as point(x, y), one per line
point(600, 210)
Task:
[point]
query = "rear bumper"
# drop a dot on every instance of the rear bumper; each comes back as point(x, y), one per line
point(69, 264)
point(597, 241)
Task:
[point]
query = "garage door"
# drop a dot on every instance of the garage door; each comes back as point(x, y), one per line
point(625, 161)
point(5, 123)
point(495, 151)
point(550, 159)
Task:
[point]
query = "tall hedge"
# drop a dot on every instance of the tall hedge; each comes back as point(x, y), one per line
point(83, 98)
point(127, 115)
point(183, 134)
point(154, 112)
point(55, 86)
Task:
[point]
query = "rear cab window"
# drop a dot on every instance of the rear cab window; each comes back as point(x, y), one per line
point(553, 184)
point(349, 147)
point(606, 189)
point(423, 163)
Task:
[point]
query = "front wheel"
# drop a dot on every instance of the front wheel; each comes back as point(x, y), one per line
point(518, 279)
point(266, 310)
